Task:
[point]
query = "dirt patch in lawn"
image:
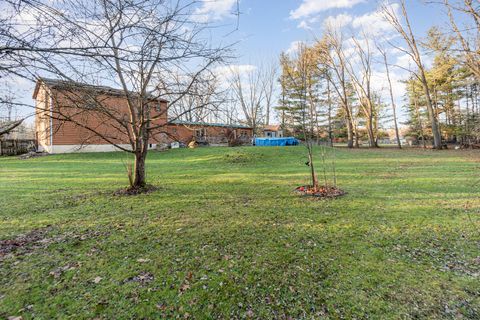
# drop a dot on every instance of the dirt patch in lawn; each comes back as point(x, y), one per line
point(142, 278)
point(30, 240)
point(41, 238)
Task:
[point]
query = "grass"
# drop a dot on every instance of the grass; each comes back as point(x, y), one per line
point(225, 237)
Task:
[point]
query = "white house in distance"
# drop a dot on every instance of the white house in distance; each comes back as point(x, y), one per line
point(273, 131)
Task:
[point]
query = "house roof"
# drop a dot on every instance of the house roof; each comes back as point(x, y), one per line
point(272, 127)
point(67, 84)
point(207, 124)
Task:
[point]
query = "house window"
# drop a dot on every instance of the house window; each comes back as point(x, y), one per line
point(158, 107)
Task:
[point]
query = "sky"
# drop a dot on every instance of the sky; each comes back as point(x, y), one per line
point(265, 28)
point(268, 27)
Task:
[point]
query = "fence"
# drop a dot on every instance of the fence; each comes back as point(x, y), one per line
point(13, 147)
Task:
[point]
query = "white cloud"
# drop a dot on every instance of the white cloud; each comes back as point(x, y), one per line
point(214, 10)
point(304, 25)
point(294, 47)
point(339, 21)
point(225, 73)
point(373, 23)
point(311, 7)
point(404, 62)
point(307, 23)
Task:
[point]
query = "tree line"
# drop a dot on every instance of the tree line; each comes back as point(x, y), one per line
point(330, 84)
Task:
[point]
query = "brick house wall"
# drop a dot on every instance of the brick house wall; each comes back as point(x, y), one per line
point(59, 136)
point(213, 134)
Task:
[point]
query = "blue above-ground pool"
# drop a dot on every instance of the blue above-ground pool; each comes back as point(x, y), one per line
point(276, 142)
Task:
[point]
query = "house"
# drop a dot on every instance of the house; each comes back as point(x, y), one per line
point(56, 135)
point(214, 134)
point(57, 101)
point(273, 131)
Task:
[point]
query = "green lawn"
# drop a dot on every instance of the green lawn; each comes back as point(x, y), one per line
point(225, 237)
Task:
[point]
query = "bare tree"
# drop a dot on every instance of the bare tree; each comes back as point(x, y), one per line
point(7, 127)
point(206, 106)
point(7, 104)
point(470, 47)
point(299, 76)
point(332, 57)
point(405, 30)
point(361, 76)
point(270, 81)
point(329, 112)
point(392, 98)
point(151, 49)
point(249, 90)
point(300, 71)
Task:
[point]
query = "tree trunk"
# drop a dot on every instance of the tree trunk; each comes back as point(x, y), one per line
point(357, 137)
point(330, 131)
point(394, 107)
point(397, 134)
point(350, 127)
point(371, 135)
point(312, 168)
point(370, 128)
point(349, 132)
point(139, 173)
point(437, 138)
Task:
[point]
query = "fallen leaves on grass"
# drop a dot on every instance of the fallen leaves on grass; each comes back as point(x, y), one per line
point(440, 257)
point(59, 271)
point(184, 287)
point(186, 282)
point(321, 192)
point(142, 278)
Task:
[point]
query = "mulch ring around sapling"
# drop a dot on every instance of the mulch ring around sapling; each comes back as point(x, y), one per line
point(321, 192)
point(133, 191)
